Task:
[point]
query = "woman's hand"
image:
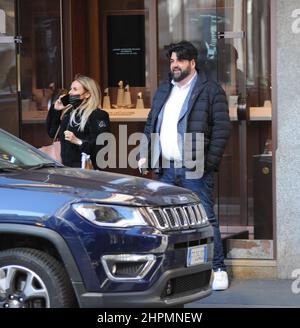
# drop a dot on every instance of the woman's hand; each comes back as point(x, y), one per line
point(58, 105)
point(70, 136)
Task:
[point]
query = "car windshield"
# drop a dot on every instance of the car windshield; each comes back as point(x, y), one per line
point(17, 155)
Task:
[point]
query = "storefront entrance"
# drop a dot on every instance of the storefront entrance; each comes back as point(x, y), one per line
point(245, 179)
point(9, 112)
point(233, 38)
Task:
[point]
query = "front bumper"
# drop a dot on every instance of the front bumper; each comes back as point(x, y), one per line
point(156, 295)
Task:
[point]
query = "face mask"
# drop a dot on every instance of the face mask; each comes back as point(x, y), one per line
point(75, 100)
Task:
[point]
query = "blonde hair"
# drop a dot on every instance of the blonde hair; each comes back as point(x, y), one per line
point(88, 105)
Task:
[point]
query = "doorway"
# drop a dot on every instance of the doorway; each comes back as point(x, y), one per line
point(9, 111)
point(31, 68)
point(233, 40)
point(244, 199)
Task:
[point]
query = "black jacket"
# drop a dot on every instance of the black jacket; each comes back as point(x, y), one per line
point(97, 123)
point(207, 113)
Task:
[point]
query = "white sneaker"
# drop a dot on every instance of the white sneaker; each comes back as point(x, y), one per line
point(220, 281)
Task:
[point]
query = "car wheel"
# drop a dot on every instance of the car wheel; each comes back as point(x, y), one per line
point(34, 279)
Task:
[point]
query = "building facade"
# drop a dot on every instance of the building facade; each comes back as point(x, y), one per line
point(248, 46)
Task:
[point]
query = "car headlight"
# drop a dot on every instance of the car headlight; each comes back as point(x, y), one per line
point(111, 215)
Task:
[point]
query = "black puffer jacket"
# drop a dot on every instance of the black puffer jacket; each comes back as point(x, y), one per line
point(207, 113)
point(97, 123)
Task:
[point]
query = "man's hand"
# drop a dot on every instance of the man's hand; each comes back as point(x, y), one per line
point(143, 170)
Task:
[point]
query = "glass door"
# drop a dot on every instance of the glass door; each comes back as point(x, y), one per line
point(41, 53)
point(233, 41)
point(232, 201)
point(9, 111)
point(244, 199)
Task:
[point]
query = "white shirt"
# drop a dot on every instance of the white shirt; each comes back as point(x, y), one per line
point(168, 131)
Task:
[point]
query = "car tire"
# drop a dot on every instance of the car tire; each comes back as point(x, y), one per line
point(34, 279)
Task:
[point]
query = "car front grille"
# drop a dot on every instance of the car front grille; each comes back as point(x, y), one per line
point(177, 218)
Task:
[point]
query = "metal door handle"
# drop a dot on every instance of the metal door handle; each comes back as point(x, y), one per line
point(231, 35)
point(242, 109)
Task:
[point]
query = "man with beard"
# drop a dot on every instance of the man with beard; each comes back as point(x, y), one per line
point(187, 108)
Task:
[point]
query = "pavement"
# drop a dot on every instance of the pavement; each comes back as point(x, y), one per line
point(254, 294)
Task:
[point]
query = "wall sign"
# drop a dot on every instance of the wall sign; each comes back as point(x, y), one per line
point(126, 50)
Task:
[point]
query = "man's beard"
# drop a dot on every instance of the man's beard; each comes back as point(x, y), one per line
point(183, 74)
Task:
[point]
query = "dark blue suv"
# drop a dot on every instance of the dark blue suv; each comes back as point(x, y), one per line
point(73, 237)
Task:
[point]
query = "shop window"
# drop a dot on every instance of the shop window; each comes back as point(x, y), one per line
point(41, 65)
point(9, 112)
point(125, 51)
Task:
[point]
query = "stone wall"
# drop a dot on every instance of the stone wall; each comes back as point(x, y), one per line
point(287, 75)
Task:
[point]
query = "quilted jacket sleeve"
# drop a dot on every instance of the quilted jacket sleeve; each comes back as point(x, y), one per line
point(220, 128)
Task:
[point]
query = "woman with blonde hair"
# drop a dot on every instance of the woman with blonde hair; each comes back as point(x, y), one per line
point(80, 120)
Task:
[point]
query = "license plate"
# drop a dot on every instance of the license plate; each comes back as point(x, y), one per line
point(196, 255)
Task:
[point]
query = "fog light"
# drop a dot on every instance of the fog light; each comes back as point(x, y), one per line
point(124, 267)
point(169, 288)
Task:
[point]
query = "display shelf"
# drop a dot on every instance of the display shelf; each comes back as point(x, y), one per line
point(141, 114)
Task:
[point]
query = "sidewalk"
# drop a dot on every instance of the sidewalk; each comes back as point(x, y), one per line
point(252, 294)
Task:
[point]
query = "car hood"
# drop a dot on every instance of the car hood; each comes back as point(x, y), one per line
point(103, 187)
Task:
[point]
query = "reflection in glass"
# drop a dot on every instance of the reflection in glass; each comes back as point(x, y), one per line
point(7, 68)
point(7, 50)
point(8, 85)
point(40, 53)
